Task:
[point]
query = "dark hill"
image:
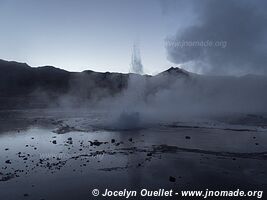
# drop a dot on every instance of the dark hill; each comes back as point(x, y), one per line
point(22, 86)
point(20, 83)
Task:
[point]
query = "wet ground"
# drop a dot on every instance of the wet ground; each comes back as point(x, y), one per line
point(60, 155)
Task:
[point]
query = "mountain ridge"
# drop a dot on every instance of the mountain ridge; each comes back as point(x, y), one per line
point(24, 86)
point(16, 64)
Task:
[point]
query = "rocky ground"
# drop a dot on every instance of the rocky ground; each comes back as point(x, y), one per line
point(51, 155)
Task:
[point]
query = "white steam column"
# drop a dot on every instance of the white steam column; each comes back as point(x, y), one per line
point(136, 62)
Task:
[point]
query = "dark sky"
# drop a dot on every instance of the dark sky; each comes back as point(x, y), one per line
point(99, 34)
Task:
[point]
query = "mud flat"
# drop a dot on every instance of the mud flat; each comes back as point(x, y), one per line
point(64, 156)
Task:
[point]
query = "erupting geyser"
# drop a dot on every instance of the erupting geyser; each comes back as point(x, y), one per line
point(136, 62)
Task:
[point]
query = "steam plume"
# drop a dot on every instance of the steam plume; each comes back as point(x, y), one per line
point(136, 62)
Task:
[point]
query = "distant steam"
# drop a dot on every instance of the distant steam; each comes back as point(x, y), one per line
point(136, 62)
point(240, 24)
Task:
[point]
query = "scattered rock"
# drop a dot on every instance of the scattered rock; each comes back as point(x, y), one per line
point(172, 179)
point(54, 141)
point(113, 169)
point(96, 143)
point(69, 140)
point(8, 162)
point(7, 177)
point(149, 154)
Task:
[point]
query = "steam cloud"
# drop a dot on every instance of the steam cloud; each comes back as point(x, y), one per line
point(241, 24)
point(134, 101)
point(168, 98)
point(136, 62)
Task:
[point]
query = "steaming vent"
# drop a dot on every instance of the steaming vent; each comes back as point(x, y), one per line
point(136, 62)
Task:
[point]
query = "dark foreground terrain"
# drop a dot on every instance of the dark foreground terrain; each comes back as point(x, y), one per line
point(49, 154)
